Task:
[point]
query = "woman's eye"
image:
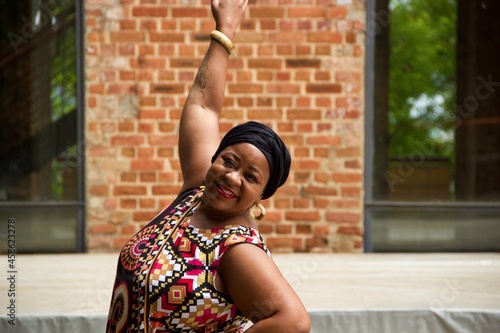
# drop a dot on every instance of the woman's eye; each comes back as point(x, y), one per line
point(252, 178)
point(228, 162)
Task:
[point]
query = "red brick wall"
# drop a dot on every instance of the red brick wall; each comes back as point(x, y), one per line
point(298, 68)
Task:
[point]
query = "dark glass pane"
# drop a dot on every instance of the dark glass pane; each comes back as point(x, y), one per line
point(436, 128)
point(437, 106)
point(39, 230)
point(435, 229)
point(38, 155)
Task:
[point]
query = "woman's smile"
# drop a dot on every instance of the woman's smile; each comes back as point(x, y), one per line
point(225, 192)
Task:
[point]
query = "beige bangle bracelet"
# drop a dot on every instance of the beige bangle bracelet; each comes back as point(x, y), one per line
point(224, 40)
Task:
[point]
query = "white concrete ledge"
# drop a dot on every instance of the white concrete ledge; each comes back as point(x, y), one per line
point(345, 293)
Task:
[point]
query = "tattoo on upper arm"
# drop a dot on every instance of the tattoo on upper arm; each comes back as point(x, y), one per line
point(202, 76)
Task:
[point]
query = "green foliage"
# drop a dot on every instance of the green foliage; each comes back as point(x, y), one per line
point(422, 75)
point(63, 83)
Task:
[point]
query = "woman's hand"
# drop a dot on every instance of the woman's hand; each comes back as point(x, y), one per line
point(227, 15)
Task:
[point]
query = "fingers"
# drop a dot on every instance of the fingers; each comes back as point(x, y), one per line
point(228, 14)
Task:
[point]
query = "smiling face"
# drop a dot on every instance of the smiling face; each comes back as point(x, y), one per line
point(236, 180)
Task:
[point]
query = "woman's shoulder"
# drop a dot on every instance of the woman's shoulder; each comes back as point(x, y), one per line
point(242, 234)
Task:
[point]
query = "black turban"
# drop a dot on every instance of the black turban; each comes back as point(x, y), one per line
point(269, 143)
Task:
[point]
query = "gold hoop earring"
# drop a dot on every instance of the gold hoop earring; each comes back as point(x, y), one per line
point(260, 216)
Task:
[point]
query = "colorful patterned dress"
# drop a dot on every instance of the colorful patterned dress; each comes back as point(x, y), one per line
point(165, 279)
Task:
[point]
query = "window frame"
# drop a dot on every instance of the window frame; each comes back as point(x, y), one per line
point(372, 20)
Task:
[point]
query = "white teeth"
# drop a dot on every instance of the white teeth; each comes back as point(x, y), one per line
point(229, 193)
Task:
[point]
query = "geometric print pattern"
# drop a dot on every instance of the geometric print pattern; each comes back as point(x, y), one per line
point(166, 272)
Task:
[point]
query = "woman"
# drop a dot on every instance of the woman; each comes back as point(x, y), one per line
point(201, 265)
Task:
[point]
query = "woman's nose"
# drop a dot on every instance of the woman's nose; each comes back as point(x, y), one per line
point(233, 177)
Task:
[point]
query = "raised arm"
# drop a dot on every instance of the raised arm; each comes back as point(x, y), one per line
point(199, 134)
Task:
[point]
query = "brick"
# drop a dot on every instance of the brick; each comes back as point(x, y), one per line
point(303, 114)
point(102, 229)
point(147, 101)
point(351, 192)
point(166, 37)
point(163, 189)
point(266, 12)
point(324, 37)
point(128, 177)
point(149, 11)
point(127, 140)
point(126, 37)
point(121, 89)
point(283, 88)
point(268, 24)
point(350, 230)
point(304, 25)
point(284, 242)
point(96, 89)
point(127, 24)
point(143, 216)
point(128, 203)
point(303, 229)
point(301, 152)
point(101, 151)
point(147, 203)
point(303, 216)
point(130, 190)
point(336, 12)
point(352, 164)
point(283, 229)
point(301, 203)
point(166, 127)
point(166, 88)
point(164, 140)
point(298, 12)
point(266, 229)
point(118, 217)
point(348, 152)
point(185, 12)
point(148, 177)
point(301, 63)
point(245, 88)
point(266, 101)
point(127, 75)
point(128, 152)
point(146, 127)
point(143, 164)
point(99, 190)
point(322, 152)
point(347, 177)
point(287, 37)
point(341, 217)
point(317, 244)
point(284, 50)
point(321, 190)
point(265, 63)
point(324, 140)
point(322, 76)
point(322, 88)
point(348, 204)
point(119, 242)
point(264, 114)
point(151, 114)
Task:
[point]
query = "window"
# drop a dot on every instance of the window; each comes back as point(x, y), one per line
point(41, 162)
point(433, 126)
